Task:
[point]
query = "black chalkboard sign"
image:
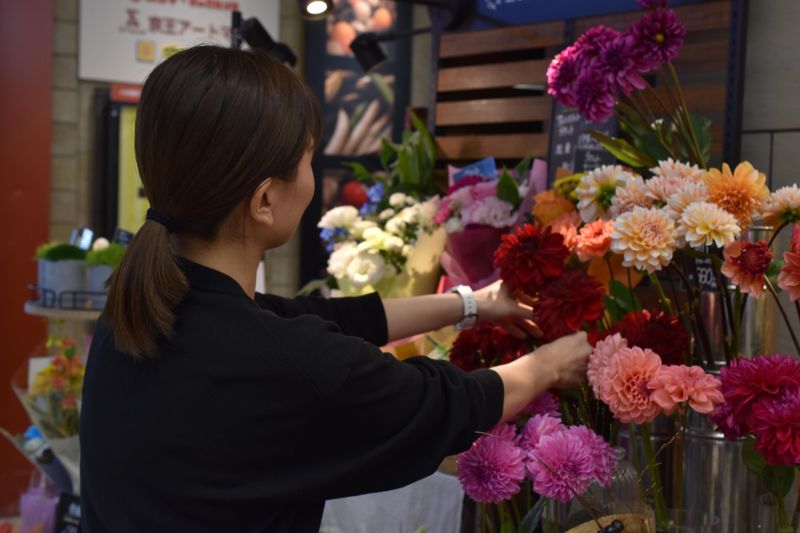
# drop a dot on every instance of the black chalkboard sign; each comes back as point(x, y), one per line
point(572, 147)
point(68, 513)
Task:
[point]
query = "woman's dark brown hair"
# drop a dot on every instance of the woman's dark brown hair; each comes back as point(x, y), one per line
point(212, 124)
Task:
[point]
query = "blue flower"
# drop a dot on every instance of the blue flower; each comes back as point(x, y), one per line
point(375, 193)
point(368, 209)
point(326, 234)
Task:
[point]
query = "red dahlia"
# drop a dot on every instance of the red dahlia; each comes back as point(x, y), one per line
point(567, 302)
point(484, 346)
point(659, 331)
point(529, 256)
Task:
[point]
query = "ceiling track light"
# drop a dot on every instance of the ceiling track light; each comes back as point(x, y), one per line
point(315, 9)
point(251, 31)
point(445, 14)
point(368, 52)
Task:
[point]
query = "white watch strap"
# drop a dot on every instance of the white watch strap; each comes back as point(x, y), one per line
point(470, 316)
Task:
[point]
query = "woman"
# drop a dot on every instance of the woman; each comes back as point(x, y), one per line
point(209, 408)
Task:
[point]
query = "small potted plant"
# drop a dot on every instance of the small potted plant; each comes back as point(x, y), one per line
point(101, 261)
point(61, 274)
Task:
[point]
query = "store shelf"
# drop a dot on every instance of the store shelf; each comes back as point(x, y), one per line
point(33, 308)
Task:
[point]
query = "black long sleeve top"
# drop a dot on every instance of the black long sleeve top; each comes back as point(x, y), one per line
point(256, 411)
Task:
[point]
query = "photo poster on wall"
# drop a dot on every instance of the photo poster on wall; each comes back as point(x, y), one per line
point(359, 109)
point(572, 148)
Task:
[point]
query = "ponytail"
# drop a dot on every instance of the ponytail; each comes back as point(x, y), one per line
point(144, 291)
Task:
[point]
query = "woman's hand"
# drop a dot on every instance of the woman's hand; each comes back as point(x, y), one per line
point(566, 359)
point(496, 305)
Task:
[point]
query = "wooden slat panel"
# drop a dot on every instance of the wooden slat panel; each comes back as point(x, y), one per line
point(708, 55)
point(492, 76)
point(514, 146)
point(501, 40)
point(696, 17)
point(493, 111)
point(699, 98)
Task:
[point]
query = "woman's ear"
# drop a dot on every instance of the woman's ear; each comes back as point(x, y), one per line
point(261, 208)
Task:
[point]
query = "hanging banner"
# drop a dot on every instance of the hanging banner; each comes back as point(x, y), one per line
point(123, 40)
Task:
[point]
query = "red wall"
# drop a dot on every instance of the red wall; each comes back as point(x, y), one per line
point(26, 79)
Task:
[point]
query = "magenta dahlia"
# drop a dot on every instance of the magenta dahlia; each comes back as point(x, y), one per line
point(658, 37)
point(492, 469)
point(776, 424)
point(561, 466)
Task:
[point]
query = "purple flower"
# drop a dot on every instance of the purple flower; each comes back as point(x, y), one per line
point(545, 403)
point(603, 457)
point(594, 97)
point(652, 4)
point(561, 467)
point(561, 76)
point(536, 427)
point(589, 44)
point(492, 470)
point(618, 64)
point(658, 37)
point(776, 424)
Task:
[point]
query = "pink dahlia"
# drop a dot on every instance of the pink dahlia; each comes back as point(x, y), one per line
point(675, 385)
point(617, 63)
point(594, 96)
point(796, 238)
point(562, 73)
point(604, 459)
point(745, 264)
point(658, 37)
point(536, 427)
point(492, 469)
point(625, 389)
point(789, 278)
point(567, 226)
point(745, 382)
point(561, 466)
point(600, 359)
point(594, 240)
point(544, 404)
point(776, 424)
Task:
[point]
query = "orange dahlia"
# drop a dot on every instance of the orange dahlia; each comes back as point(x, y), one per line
point(741, 192)
point(549, 205)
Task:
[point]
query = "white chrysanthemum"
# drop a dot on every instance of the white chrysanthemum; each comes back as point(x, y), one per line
point(704, 224)
point(358, 229)
point(688, 194)
point(374, 240)
point(660, 188)
point(783, 205)
point(396, 225)
point(597, 188)
point(677, 169)
point(340, 259)
point(339, 217)
point(399, 200)
point(645, 238)
point(386, 214)
point(366, 269)
point(634, 194)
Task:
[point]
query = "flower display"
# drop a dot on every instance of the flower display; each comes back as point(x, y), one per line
point(594, 240)
point(536, 427)
point(545, 403)
point(617, 64)
point(686, 195)
point(625, 391)
point(745, 264)
point(562, 73)
point(593, 96)
point(782, 205)
point(492, 469)
point(567, 226)
point(746, 382)
point(704, 224)
point(549, 205)
point(633, 195)
point(776, 423)
point(684, 172)
point(597, 188)
point(604, 460)
point(485, 345)
point(568, 302)
point(600, 360)
point(529, 256)
point(560, 466)
point(674, 386)
point(658, 331)
point(789, 277)
point(659, 37)
point(646, 238)
point(660, 188)
point(741, 192)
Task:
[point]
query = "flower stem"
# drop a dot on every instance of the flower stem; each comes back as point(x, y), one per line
point(658, 496)
point(783, 313)
point(677, 458)
point(784, 524)
point(777, 232)
point(700, 161)
point(630, 287)
point(610, 268)
point(665, 301)
point(738, 307)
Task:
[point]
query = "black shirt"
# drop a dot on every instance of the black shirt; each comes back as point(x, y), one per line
point(256, 412)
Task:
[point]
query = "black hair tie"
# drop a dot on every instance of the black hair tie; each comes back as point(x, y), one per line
point(162, 218)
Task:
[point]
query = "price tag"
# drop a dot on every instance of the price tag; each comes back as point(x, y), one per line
point(704, 271)
point(68, 513)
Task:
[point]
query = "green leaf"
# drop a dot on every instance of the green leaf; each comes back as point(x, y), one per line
point(773, 271)
point(624, 296)
point(360, 172)
point(624, 151)
point(702, 130)
point(614, 310)
point(403, 166)
point(523, 168)
point(507, 189)
point(427, 142)
point(778, 479)
point(534, 516)
point(387, 151)
point(653, 147)
point(752, 458)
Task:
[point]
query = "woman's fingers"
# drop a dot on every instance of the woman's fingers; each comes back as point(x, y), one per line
point(530, 327)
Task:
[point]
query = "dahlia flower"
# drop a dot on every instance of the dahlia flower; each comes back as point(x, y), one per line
point(745, 264)
point(645, 238)
point(549, 205)
point(568, 302)
point(704, 224)
point(658, 331)
point(625, 389)
point(634, 194)
point(597, 188)
point(783, 205)
point(658, 38)
point(789, 278)
point(688, 194)
point(599, 360)
point(741, 192)
point(678, 169)
point(529, 256)
point(536, 427)
point(544, 404)
point(561, 466)
point(776, 424)
point(675, 385)
point(567, 226)
point(594, 240)
point(492, 469)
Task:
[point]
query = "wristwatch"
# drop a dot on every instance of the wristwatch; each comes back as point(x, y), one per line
point(470, 306)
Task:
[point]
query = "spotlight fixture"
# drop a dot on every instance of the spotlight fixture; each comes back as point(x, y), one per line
point(315, 9)
point(367, 49)
point(256, 36)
